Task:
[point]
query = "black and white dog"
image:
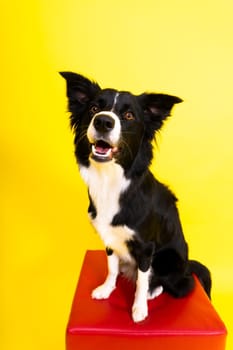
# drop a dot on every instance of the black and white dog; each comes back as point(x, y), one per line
point(135, 215)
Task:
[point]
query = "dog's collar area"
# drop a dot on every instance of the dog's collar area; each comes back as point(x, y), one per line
point(103, 151)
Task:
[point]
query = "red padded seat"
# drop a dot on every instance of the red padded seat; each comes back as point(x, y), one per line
point(189, 323)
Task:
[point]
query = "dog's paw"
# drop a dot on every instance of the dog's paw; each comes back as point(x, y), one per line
point(102, 292)
point(139, 313)
point(156, 292)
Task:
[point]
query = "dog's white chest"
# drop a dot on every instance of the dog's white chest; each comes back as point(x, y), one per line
point(106, 182)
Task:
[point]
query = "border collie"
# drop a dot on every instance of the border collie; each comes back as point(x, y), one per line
point(135, 215)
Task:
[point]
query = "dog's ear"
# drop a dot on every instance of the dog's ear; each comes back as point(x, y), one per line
point(157, 108)
point(80, 91)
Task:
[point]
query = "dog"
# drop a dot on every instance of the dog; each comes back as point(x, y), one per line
point(135, 215)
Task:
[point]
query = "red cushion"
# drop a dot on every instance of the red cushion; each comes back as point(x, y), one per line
point(186, 323)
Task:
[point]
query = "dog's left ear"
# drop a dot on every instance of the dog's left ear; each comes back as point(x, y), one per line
point(157, 108)
point(80, 90)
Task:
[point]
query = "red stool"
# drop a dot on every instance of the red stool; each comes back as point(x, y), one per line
point(189, 323)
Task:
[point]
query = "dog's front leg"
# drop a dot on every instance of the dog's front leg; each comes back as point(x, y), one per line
point(105, 289)
point(140, 307)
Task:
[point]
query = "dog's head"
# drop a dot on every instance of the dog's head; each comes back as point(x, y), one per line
point(112, 125)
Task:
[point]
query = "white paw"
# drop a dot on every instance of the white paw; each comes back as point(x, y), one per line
point(139, 313)
point(102, 292)
point(158, 290)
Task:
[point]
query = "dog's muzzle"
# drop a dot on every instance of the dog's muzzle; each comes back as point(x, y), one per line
point(104, 134)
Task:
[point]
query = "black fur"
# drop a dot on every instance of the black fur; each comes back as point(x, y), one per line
point(147, 206)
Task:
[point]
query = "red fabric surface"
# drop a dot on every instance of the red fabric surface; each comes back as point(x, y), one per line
point(186, 323)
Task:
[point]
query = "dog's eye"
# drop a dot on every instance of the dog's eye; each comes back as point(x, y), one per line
point(94, 109)
point(129, 116)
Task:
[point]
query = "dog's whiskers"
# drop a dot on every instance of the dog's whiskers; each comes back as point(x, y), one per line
point(82, 135)
point(127, 146)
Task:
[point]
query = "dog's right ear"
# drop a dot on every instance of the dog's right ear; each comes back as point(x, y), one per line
point(80, 91)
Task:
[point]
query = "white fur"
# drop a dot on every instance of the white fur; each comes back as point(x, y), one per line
point(105, 289)
point(140, 307)
point(106, 182)
point(115, 101)
point(158, 290)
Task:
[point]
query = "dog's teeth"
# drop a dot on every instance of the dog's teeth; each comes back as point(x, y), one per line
point(109, 152)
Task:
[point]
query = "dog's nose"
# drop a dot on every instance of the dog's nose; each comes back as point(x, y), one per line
point(104, 123)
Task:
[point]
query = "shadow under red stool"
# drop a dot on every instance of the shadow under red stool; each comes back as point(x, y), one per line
point(189, 323)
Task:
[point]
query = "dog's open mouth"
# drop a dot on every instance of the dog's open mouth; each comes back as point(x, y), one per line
point(103, 151)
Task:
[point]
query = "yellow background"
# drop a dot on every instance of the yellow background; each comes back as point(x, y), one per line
point(174, 46)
